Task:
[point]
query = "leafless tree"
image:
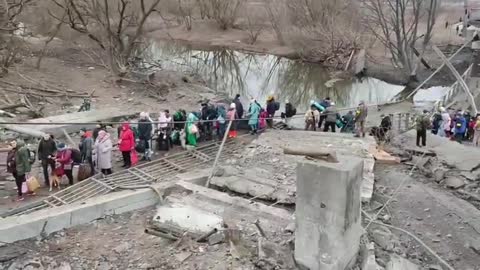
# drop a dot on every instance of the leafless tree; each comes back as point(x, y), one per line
point(186, 8)
point(399, 25)
point(275, 12)
point(116, 26)
point(225, 12)
point(10, 43)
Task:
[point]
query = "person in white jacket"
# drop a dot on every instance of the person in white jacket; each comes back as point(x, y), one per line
point(103, 152)
point(445, 125)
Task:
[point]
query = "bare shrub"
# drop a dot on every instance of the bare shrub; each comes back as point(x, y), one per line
point(204, 8)
point(324, 30)
point(225, 12)
point(276, 11)
point(255, 24)
point(11, 44)
point(116, 26)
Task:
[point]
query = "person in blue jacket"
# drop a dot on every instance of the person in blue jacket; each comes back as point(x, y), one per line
point(460, 127)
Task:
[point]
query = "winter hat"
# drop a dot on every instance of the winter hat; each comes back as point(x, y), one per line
point(332, 103)
point(61, 146)
point(232, 106)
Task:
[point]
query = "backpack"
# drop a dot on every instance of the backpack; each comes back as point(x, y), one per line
point(277, 106)
point(76, 155)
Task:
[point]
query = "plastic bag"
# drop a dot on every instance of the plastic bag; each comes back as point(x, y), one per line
point(24, 188)
point(133, 158)
point(32, 184)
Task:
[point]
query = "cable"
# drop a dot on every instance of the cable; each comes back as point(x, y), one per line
point(442, 261)
point(298, 115)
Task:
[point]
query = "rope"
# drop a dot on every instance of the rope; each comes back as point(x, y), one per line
point(442, 261)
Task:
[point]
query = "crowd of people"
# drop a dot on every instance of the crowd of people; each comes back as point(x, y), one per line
point(458, 125)
point(94, 152)
point(325, 113)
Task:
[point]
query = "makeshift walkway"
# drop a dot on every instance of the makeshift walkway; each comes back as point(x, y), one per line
point(140, 176)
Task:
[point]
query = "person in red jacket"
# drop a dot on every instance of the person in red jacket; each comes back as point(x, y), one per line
point(126, 144)
point(64, 162)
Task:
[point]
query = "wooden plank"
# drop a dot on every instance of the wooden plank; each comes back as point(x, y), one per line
point(141, 177)
point(102, 183)
point(49, 203)
point(58, 199)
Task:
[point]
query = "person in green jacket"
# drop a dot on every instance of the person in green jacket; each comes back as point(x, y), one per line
point(253, 113)
point(191, 129)
point(23, 166)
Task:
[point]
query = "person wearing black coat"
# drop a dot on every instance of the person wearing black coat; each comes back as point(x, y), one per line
point(238, 106)
point(145, 134)
point(46, 153)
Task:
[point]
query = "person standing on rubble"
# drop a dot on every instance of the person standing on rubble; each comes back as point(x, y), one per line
point(221, 121)
point(103, 152)
point(290, 111)
point(145, 134)
point(11, 162)
point(46, 155)
point(422, 124)
point(191, 129)
point(126, 144)
point(360, 118)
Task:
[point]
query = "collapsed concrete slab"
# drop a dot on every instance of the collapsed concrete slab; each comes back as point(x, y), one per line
point(449, 152)
point(47, 221)
point(266, 153)
point(328, 217)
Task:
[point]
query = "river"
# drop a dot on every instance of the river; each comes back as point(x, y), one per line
point(254, 75)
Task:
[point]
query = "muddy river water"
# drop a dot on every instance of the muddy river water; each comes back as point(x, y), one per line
point(254, 75)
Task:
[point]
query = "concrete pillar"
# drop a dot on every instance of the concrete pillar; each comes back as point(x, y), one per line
point(328, 217)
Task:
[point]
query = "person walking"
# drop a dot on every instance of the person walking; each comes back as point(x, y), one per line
point(253, 113)
point(126, 144)
point(422, 124)
point(65, 162)
point(460, 127)
point(46, 155)
point(11, 163)
point(222, 121)
point(348, 123)
point(446, 123)
point(238, 106)
point(191, 129)
point(103, 152)
point(232, 116)
point(476, 135)
point(312, 116)
point(331, 116)
point(272, 107)
point(86, 149)
point(22, 166)
point(325, 103)
point(290, 111)
point(360, 118)
point(145, 134)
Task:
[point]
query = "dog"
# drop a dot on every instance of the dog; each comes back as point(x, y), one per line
point(54, 182)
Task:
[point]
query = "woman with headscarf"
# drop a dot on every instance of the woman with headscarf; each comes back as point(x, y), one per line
point(253, 113)
point(222, 121)
point(445, 126)
point(191, 129)
point(232, 116)
point(103, 152)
